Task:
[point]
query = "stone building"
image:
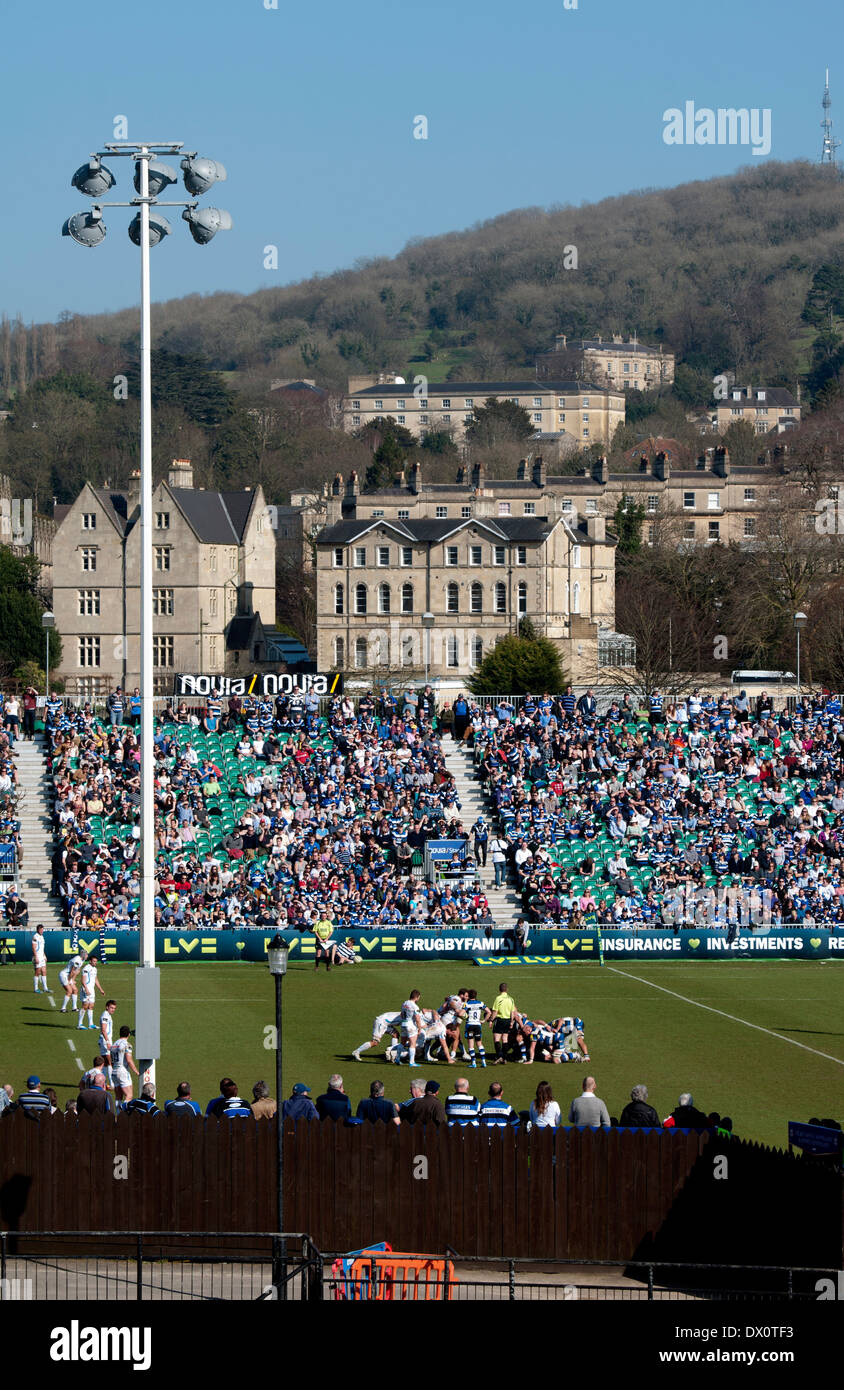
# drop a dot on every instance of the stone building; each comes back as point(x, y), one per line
point(610, 362)
point(475, 557)
point(213, 582)
point(589, 414)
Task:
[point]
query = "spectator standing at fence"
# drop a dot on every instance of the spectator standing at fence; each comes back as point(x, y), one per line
point(144, 1104)
point(12, 717)
point(7, 1096)
point(417, 1091)
point(426, 1108)
point(334, 1104)
point(228, 1088)
point(33, 1100)
point(588, 1109)
point(461, 1107)
point(92, 1100)
point(299, 1106)
point(545, 1113)
point(638, 1113)
point(496, 1113)
point(135, 707)
point(263, 1105)
point(377, 1107)
point(182, 1104)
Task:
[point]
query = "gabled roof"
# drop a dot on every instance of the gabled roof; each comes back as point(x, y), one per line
point(433, 530)
point(217, 518)
point(243, 631)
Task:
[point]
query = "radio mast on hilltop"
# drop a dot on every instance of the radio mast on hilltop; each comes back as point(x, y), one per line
point(830, 144)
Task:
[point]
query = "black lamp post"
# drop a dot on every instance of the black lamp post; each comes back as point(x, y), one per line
point(277, 954)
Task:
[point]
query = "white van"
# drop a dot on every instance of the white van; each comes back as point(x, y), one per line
point(744, 678)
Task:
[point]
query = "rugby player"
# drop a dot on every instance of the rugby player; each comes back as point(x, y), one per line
point(90, 985)
point(451, 1011)
point(412, 1023)
point(383, 1023)
point(39, 961)
point(121, 1061)
point(67, 980)
point(477, 1014)
point(107, 1027)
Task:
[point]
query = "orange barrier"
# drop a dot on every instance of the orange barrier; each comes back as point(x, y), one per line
point(393, 1277)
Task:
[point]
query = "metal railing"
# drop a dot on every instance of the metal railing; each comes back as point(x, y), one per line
point(134, 1266)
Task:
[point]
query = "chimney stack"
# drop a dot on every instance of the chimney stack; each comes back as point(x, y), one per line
point(721, 462)
point(416, 477)
point(540, 472)
point(478, 476)
point(662, 468)
point(181, 473)
point(521, 470)
point(601, 471)
point(352, 486)
point(337, 485)
point(244, 599)
point(596, 528)
point(133, 491)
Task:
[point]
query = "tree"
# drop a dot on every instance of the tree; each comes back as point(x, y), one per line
point(826, 296)
point(499, 422)
point(390, 442)
point(627, 523)
point(520, 666)
point(742, 442)
point(21, 634)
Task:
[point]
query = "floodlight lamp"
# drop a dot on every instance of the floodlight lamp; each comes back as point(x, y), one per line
point(93, 178)
point(159, 228)
point(201, 173)
point(160, 175)
point(86, 227)
point(205, 223)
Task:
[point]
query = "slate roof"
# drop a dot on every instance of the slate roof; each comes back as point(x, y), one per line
point(218, 518)
point(482, 389)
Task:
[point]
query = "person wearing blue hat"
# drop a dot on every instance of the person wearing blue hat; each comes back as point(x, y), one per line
point(33, 1099)
point(299, 1107)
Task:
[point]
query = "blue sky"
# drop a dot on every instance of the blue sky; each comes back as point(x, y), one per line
point(311, 108)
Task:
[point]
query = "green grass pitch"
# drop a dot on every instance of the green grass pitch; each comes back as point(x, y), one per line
point(643, 1024)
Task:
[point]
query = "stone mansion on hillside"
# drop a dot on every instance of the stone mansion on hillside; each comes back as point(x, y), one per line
point(481, 553)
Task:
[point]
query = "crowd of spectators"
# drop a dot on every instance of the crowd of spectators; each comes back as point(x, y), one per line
point(267, 814)
point(711, 811)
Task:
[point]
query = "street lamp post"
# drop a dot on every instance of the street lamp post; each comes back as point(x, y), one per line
point(277, 954)
point(147, 229)
point(428, 621)
point(800, 621)
point(48, 622)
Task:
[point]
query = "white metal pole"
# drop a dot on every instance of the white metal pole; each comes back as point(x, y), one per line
point(147, 921)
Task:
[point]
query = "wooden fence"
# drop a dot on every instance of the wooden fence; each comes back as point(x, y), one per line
point(544, 1195)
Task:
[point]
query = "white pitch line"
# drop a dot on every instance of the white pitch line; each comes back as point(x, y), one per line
point(731, 1017)
point(52, 1001)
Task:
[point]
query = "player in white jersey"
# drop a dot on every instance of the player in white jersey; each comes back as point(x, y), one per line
point(412, 1024)
point(384, 1023)
point(107, 1028)
point(121, 1061)
point(451, 1012)
point(67, 979)
point(90, 985)
point(39, 961)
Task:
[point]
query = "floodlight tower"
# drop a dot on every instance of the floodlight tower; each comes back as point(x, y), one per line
point(830, 144)
point(147, 229)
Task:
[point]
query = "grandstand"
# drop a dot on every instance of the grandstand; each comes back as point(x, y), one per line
point(274, 812)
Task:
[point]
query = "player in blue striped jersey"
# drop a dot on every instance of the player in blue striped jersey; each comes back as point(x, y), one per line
point(477, 1014)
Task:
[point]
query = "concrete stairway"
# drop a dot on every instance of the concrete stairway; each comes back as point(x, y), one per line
point(504, 902)
point(34, 806)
